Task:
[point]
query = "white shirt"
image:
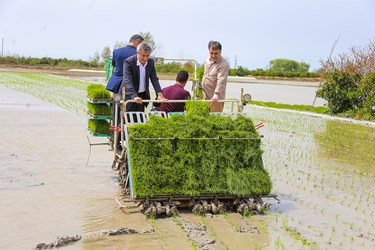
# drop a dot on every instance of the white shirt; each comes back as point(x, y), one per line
point(142, 76)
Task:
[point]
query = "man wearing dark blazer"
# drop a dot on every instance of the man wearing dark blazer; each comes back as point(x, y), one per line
point(119, 55)
point(138, 71)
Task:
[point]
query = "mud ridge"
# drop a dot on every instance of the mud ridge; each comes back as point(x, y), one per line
point(60, 241)
point(198, 233)
point(65, 240)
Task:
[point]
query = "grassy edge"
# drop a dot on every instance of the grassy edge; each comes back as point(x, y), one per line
point(299, 107)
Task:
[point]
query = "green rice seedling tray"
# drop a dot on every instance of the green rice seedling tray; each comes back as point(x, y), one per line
point(196, 154)
point(99, 109)
point(99, 117)
point(98, 134)
point(98, 94)
point(99, 126)
point(98, 101)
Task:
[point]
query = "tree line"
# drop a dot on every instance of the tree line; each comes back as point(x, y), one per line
point(48, 61)
point(98, 61)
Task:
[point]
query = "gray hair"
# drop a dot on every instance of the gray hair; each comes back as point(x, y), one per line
point(215, 45)
point(136, 38)
point(145, 47)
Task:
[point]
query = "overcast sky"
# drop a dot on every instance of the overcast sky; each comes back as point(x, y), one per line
point(254, 32)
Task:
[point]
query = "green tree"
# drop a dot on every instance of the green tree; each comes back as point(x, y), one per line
point(367, 93)
point(282, 64)
point(189, 67)
point(149, 39)
point(240, 71)
point(341, 91)
point(94, 60)
point(119, 44)
point(106, 53)
point(303, 67)
point(171, 67)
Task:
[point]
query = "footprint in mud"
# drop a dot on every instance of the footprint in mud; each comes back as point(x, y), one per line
point(247, 228)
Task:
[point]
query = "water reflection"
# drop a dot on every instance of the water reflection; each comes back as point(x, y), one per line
point(324, 171)
point(351, 146)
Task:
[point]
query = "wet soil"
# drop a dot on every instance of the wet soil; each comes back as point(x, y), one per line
point(51, 198)
point(50, 195)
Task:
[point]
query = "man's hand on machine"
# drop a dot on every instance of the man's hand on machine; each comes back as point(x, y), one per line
point(138, 100)
point(215, 98)
point(161, 97)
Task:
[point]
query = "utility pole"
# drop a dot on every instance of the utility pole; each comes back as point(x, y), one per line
point(2, 47)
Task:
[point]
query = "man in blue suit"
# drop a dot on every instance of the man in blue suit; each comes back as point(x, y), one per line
point(113, 85)
point(138, 71)
point(119, 55)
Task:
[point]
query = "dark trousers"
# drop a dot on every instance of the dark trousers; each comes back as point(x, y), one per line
point(131, 107)
point(138, 107)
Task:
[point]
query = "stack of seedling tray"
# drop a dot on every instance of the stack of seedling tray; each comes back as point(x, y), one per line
point(197, 153)
point(99, 110)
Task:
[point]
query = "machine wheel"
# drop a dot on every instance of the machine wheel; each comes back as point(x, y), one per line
point(115, 165)
point(123, 174)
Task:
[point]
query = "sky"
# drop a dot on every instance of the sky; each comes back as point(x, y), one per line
point(252, 32)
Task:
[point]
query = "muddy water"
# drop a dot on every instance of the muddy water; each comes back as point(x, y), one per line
point(47, 190)
point(322, 171)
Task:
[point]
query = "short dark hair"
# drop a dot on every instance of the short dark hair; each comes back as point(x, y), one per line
point(136, 38)
point(182, 76)
point(215, 45)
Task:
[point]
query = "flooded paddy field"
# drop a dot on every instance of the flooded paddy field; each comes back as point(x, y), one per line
point(322, 171)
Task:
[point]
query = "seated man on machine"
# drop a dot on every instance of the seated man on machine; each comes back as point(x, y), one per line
point(176, 92)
